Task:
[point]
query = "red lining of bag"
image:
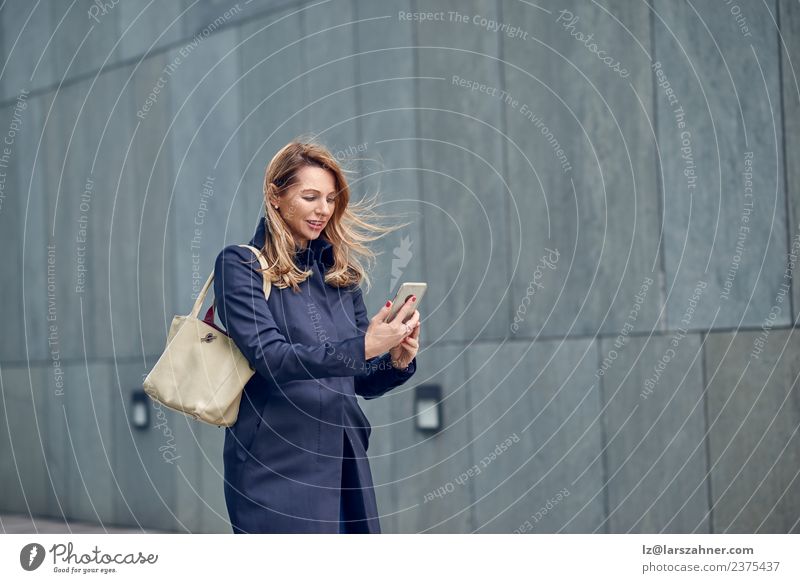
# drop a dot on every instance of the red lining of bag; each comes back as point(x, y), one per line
point(209, 319)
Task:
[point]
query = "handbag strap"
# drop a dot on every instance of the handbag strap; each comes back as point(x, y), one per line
point(263, 261)
point(202, 295)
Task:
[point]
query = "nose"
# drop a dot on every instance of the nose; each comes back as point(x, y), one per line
point(322, 210)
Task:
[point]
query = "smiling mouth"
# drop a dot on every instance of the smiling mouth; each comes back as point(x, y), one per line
point(316, 224)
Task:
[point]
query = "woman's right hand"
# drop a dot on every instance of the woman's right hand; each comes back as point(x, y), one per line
point(382, 336)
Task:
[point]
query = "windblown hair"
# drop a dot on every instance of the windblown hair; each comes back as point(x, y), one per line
point(349, 229)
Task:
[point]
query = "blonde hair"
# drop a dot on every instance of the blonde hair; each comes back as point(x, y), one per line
point(349, 229)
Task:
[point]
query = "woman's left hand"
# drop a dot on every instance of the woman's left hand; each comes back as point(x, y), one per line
point(404, 353)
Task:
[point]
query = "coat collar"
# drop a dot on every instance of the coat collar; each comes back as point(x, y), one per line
point(319, 250)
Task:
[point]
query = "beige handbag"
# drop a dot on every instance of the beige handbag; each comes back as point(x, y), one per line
point(202, 372)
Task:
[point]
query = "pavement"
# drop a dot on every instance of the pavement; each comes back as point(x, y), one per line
point(23, 524)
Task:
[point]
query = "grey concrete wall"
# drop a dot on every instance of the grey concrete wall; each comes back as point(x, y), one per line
point(610, 305)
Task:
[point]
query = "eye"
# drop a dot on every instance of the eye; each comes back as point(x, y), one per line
point(331, 200)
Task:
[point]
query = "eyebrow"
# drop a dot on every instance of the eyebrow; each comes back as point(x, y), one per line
point(317, 191)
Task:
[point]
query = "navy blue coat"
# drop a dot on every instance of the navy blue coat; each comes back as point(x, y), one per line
point(299, 415)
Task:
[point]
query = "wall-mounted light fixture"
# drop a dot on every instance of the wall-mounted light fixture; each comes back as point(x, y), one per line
point(140, 409)
point(428, 407)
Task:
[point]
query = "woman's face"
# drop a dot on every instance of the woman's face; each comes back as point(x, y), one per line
point(309, 203)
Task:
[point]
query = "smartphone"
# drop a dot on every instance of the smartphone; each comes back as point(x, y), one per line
point(407, 289)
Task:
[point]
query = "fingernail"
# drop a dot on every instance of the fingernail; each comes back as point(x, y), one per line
point(388, 303)
point(413, 298)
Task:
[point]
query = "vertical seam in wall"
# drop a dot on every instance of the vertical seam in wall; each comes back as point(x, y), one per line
point(662, 276)
point(473, 495)
point(505, 166)
point(788, 209)
point(305, 92)
point(415, 108)
point(177, 514)
point(171, 221)
point(68, 508)
point(709, 495)
point(418, 127)
point(359, 110)
point(603, 439)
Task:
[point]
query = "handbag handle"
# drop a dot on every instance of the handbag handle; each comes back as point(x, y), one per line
point(202, 295)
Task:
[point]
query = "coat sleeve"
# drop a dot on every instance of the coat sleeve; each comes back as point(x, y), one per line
point(242, 309)
point(380, 376)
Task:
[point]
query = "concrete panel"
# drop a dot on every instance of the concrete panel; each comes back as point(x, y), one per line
point(584, 220)
point(23, 233)
point(463, 194)
point(214, 514)
point(82, 43)
point(23, 435)
point(147, 26)
point(144, 282)
point(90, 150)
point(199, 16)
point(728, 100)
point(58, 453)
point(655, 429)
point(204, 108)
point(754, 417)
point(423, 464)
point(146, 462)
point(536, 437)
point(28, 64)
point(3, 57)
point(71, 139)
point(188, 507)
point(789, 19)
point(89, 442)
point(271, 64)
point(134, 287)
point(387, 151)
point(329, 85)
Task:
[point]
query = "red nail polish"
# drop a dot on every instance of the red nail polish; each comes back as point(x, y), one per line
point(388, 303)
point(413, 298)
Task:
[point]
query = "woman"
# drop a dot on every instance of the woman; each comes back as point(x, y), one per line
point(295, 460)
